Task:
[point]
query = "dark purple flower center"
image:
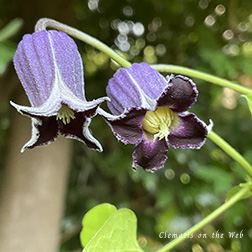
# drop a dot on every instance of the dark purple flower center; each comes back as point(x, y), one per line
point(159, 122)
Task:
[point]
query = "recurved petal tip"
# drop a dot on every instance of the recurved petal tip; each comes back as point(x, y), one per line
point(188, 132)
point(180, 94)
point(149, 154)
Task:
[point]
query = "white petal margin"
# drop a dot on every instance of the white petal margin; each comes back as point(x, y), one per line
point(60, 93)
point(87, 134)
point(35, 135)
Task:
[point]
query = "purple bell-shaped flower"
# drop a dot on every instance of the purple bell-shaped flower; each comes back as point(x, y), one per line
point(50, 69)
point(149, 111)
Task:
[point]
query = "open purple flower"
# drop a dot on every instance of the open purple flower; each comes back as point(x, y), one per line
point(149, 111)
point(50, 69)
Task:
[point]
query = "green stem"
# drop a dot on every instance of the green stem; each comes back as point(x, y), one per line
point(230, 151)
point(203, 76)
point(207, 219)
point(44, 23)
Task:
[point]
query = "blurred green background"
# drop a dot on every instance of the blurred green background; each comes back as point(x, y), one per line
point(208, 35)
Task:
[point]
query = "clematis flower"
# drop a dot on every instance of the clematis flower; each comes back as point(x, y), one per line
point(149, 111)
point(50, 69)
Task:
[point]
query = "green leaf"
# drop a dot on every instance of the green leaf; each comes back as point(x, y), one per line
point(117, 234)
point(249, 100)
point(11, 29)
point(93, 221)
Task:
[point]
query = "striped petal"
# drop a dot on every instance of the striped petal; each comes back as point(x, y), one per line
point(136, 86)
point(42, 59)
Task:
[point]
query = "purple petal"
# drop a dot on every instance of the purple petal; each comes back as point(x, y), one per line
point(78, 129)
point(127, 127)
point(123, 92)
point(45, 59)
point(43, 132)
point(69, 62)
point(150, 155)
point(136, 86)
point(35, 67)
point(180, 94)
point(188, 132)
point(148, 79)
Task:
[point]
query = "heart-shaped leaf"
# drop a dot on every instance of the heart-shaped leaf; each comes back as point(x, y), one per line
point(93, 221)
point(117, 234)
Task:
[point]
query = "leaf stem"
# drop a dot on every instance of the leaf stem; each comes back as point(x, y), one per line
point(230, 151)
point(207, 219)
point(44, 23)
point(203, 76)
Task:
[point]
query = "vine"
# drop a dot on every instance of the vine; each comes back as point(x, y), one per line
point(245, 189)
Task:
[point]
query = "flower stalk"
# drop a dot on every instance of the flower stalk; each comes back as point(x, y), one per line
point(230, 151)
point(202, 76)
point(45, 23)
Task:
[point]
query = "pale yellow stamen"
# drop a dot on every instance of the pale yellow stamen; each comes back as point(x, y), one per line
point(65, 114)
point(159, 122)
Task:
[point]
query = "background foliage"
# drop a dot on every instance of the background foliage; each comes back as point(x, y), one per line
point(207, 35)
